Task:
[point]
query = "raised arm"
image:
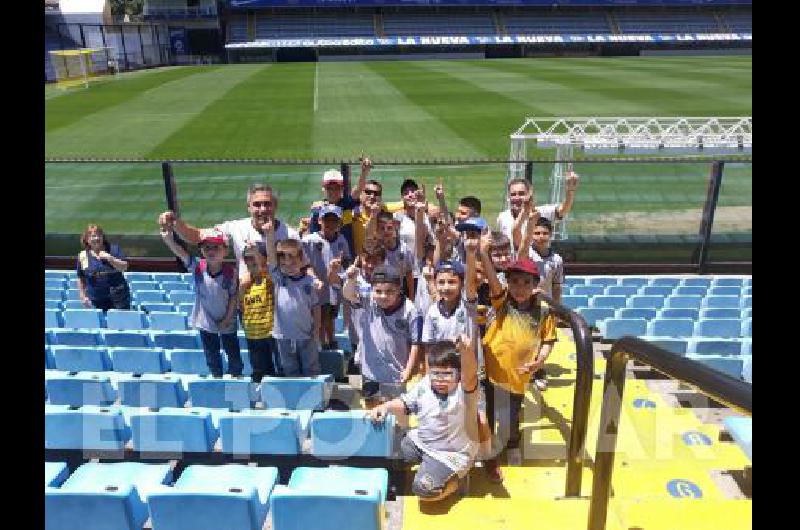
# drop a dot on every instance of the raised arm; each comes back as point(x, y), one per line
point(272, 252)
point(189, 233)
point(527, 238)
point(471, 247)
point(572, 185)
point(366, 167)
point(350, 288)
point(439, 190)
point(167, 235)
point(395, 406)
point(420, 230)
point(469, 365)
point(516, 228)
point(495, 287)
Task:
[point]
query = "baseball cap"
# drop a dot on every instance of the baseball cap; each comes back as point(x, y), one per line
point(383, 274)
point(474, 224)
point(450, 266)
point(332, 176)
point(523, 265)
point(213, 237)
point(330, 208)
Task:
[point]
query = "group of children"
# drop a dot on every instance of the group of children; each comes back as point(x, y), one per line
point(424, 292)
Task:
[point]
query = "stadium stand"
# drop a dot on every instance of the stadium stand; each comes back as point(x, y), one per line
point(278, 26)
point(536, 22)
point(409, 23)
point(676, 21)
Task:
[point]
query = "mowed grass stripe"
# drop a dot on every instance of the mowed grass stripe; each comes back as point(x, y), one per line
point(483, 118)
point(267, 113)
point(76, 104)
point(359, 109)
point(135, 128)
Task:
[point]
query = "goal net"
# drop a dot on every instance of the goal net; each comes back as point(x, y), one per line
point(80, 66)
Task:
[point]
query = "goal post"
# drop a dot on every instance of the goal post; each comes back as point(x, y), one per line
point(80, 66)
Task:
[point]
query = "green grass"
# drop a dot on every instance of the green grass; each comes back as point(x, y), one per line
point(394, 111)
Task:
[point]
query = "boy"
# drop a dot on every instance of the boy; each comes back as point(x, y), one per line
point(256, 294)
point(445, 443)
point(468, 207)
point(518, 340)
point(388, 330)
point(214, 311)
point(382, 230)
point(296, 322)
point(320, 249)
point(551, 265)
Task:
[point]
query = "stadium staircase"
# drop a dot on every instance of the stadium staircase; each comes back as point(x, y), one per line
point(378, 23)
point(722, 22)
point(251, 26)
point(672, 470)
point(499, 25)
point(612, 23)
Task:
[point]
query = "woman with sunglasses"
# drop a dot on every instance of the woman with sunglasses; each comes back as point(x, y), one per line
point(100, 268)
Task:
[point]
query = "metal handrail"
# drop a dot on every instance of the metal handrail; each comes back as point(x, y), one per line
point(717, 385)
point(584, 375)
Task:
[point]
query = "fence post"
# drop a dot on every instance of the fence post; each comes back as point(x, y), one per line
point(124, 49)
point(171, 194)
point(141, 44)
point(345, 170)
point(710, 207)
point(529, 172)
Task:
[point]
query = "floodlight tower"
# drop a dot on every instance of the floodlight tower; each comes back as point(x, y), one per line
point(625, 136)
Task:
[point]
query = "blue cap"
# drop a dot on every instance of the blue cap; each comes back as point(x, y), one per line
point(475, 224)
point(330, 208)
point(455, 267)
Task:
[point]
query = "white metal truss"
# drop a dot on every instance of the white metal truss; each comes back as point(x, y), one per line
point(631, 136)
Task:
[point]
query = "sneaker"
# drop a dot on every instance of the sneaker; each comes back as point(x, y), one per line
point(493, 472)
point(514, 457)
point(541, 384)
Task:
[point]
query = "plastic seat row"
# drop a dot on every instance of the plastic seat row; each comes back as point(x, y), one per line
point(181, 296)
point(703, 346)
point(130, 276)
point(115, 319)
point(147, 307)
point(650, 290)
point(332, 434)
point(660, 281)
point(614, 328)
point(165, 286)
point(695, 314)
point(206, 497)
point(173, 390)
point(658, 302)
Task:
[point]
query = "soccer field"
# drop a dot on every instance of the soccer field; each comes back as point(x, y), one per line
point(393, 111)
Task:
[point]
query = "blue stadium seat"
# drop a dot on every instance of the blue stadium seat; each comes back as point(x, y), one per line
point(88, 427)
point(671, 327)
point(184, 308)
point(747, 313)
point(125, 339)
point(226, 393)
point(615, 302)
point(52, 318)
point(684, 302)
point(296, 393)
point(178, 285)
point(697, 282)
point(73, 283)
point(718, 327)
point(145, 286)
point(151, 390)
point(333, 362)
point(247, 365)
point(741, 430)
point(351, 433)
point(181, 297)
point(747, 302)
point(330, 499)
point(720, 312)
point(190, 361)
point(72, 294)
point(665, 282)
point(587, 290)
point(104, 495)
point(264, 432)
point(656, 290)
point(573, 301)
point(49, 361)
point(55, 473)
point(726, 364)
point(72, 337)
point(55, 275)
point(747, 328)
point(634, 282)
point(721, 301)
point(728, 282)
point(177, 339)
point(725, 291)
point(138, 276)
point(162, 277)
point(706, 346)
point(621, 290)
point(747, 291)
point(679, 346)
point(72, 304)
point(157, 306)
point(81, 388)
point(54, 294)
point(690, 290)
point(81, 358)
point(54, 284)
point(615, 328)
point(570, 281)
point(592, 315)
point(172, 430)
point(694, 314)
point(167, 321)
point(747, 369)
point(654, 302)
point(124, 320)
point(83, 318)
point(604, 281)
point(149, 296)
point(215, 497)
point(53, 304)
point(139, 360)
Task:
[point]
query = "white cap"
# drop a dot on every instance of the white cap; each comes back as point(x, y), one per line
point(332, 176)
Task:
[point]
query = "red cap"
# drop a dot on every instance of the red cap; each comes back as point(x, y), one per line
point(213, 237)
point(523, 265)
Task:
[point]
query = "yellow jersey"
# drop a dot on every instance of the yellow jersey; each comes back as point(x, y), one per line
point(257, 310)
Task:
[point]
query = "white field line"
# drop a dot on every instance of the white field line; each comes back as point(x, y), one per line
point(316, 85)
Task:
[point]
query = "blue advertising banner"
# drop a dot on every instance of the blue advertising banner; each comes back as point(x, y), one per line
point(255, 4)
point(177, 40)
point(468, 40)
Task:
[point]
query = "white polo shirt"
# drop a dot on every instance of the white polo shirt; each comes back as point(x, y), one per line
point(505, 221)
point(551, 269)
point(239, 231)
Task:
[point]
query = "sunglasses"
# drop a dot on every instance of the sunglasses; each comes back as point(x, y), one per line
point(443, 375)
point(261, 204)
point(372, 192)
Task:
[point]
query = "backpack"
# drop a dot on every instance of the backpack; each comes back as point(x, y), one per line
point(228, 274)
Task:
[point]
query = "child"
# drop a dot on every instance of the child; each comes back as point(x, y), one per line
point(518, 340)
point(321, 248)
point(551, 265)
point(388, 330)
point(214, 311)
point(296, 322)
point(382, 230)
point(445, 443)
point(256, 294)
